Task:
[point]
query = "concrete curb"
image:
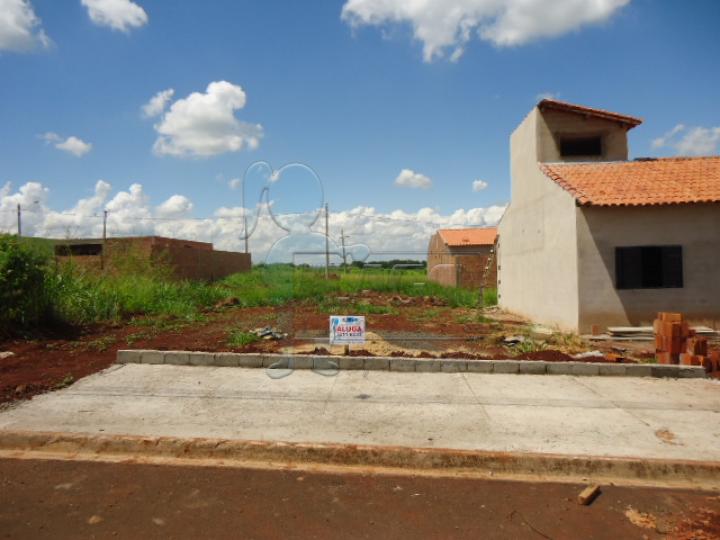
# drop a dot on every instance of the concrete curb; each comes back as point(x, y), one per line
point(80, 446)
point(379, 363)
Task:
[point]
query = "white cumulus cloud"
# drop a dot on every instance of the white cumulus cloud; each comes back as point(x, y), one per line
point(20, 29)
point(384, 235)
point(690, 141)
point(72, 145)
point(442, 25)
point(204, 124)
point(479, 185)
point(122, 15)
point(412, 179)
point(157, 103)
point(175, 207)
point(666, 137)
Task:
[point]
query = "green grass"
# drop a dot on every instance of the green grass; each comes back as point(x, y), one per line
point(278, 285)
point(490, 297)
point(81, 297)
point(528, 346)
point(239, 338)
point(425, 315)
point(144, 293)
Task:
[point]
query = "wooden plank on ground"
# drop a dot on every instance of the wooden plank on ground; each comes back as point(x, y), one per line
point(588, 494)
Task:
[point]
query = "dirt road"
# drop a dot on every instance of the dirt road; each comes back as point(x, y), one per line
point(65, 499)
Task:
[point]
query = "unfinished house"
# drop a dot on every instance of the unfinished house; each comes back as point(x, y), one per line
point(463, 257)
point(186, 258)
point(592, 238)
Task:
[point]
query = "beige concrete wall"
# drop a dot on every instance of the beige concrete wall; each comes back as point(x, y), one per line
point(537, 247)
point(552, 125)
point(440, 264)
point(600, 230)
point(523, 153)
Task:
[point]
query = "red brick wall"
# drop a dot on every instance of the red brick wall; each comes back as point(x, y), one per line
point(190, 262)
point(472, 262)
point(188, 259)
point(460, 266)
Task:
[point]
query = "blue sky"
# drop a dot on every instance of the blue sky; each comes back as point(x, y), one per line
point(357, 102)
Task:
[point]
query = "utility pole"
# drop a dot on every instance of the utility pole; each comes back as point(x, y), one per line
point(342, 241)
point(327, 242)
point(102, 258)
point(245, 231)
point(19, 212)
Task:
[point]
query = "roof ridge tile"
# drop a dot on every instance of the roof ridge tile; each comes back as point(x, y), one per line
point(674, 180)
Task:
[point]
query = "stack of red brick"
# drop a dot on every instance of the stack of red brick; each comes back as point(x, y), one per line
point(676, 343)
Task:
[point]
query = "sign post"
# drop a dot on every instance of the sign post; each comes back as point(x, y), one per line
point(347, 329)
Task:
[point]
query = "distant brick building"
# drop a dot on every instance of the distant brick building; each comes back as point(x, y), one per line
point(463, 257)
point(187, 259)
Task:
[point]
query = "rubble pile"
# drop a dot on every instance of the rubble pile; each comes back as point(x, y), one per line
point(268, 333)
point(677, 343)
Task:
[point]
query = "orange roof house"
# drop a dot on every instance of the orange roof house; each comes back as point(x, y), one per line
point(592, 237)
point(463, 257)
point(469, 237)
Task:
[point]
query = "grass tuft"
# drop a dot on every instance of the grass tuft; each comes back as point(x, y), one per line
point(240, 338)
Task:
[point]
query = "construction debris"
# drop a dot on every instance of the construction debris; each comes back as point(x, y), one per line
point(541, 332)
point(588, 355)
point(640, 333)
point(649, 331)
point(588, 495)
point(677, 343)
point(269, 333)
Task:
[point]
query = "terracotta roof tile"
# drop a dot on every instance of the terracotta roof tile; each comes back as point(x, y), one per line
point(469, 237)
point(640, 183)
point(558, 105)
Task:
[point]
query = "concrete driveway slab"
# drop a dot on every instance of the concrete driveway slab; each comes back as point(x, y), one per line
point(649, 393)
point(470, 411)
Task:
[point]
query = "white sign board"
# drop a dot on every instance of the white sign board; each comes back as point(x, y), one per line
point(345, 329)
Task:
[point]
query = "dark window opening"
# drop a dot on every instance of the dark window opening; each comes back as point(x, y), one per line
point(648, 267)
point(66, 250)
point(581, 146)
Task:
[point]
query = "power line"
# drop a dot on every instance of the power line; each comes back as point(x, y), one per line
point(384, 219)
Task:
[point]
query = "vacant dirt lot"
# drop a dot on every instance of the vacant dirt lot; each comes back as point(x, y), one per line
point(397, 325)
